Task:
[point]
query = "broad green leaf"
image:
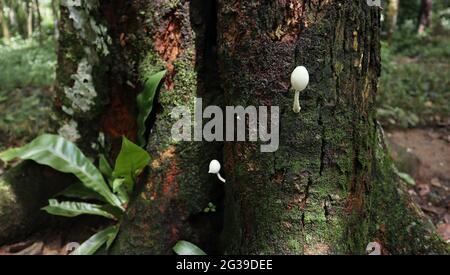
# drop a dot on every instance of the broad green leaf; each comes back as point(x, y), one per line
point(64, 156)
point(131, 161)
point(79, 191)
point(104, 167)
point(75, 209)
point(184, 248)
point(145, 103)
point(95, 242)
point(119, 189)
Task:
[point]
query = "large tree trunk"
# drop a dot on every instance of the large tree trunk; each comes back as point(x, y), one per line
point(170, 206)
point(426, 10)
point(4, 22)
point(328, 188)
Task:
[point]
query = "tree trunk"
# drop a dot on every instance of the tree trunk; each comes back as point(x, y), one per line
point(329, 188)
point(24, 190)
point(170, 206)
point(29, 13)
point(4, 22)
point(426, 10)
point(392, 16)
point(55, 12)
point(81, 100)
point(37, 11)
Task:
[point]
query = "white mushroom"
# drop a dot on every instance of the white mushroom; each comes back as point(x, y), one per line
point(214, 168)
point(299, 82)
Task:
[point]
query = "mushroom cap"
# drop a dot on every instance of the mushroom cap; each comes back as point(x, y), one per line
point(214, 167)
point(300, 78)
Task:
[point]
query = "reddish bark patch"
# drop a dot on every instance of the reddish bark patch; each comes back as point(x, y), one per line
point(120, 118)
point(170, 185)
point(167, 41)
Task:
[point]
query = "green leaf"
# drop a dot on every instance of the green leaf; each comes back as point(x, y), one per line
point(75, 209)
point(119, 189)
point(145, 103)
point(184, 248)
point(104, 167)
point(131, 161)
point(95, 242)
point(406, 178)
point(64, 156)
point(79, 191)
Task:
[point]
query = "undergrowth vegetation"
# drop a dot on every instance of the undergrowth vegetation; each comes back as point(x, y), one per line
point(414, 85)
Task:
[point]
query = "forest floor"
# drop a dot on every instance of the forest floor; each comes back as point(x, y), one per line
point(424, 153)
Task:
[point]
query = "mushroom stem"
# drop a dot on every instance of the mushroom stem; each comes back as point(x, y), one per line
point(297, 107)
point(220, 178)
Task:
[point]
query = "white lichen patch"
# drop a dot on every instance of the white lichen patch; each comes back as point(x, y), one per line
point(90, 31)
point(82, 94)
point(69, 131)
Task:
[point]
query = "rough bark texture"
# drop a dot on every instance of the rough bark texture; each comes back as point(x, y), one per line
point(180, 36)
point(24, 190)
point(425, 15)
point(328, 189)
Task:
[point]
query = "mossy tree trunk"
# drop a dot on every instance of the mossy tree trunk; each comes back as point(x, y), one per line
point(180, 37)
point(329, 188)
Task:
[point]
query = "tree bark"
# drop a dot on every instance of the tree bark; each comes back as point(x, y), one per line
point(170, 205)
point(426, 10)
point(4, 22)
point(328, 189)
point(24, 190)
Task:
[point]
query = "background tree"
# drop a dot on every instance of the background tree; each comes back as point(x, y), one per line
point(426, 10)
point(4, 21)
point(392, 17)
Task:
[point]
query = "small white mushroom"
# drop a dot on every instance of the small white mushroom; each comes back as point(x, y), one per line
point(214, 168)
point(299, 82)
point(373, 249)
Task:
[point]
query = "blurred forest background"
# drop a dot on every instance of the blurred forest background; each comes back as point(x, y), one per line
point(413, 99)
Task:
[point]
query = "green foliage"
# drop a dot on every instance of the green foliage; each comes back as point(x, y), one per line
point(131, 161)
point(414, 84)
point(64, 156)
point(145, 103)
point(75, 209)
point(184, 248)
point(24, 63)
point(94, 243)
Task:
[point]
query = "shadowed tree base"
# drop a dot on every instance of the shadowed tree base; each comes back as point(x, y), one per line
point(24, 190)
